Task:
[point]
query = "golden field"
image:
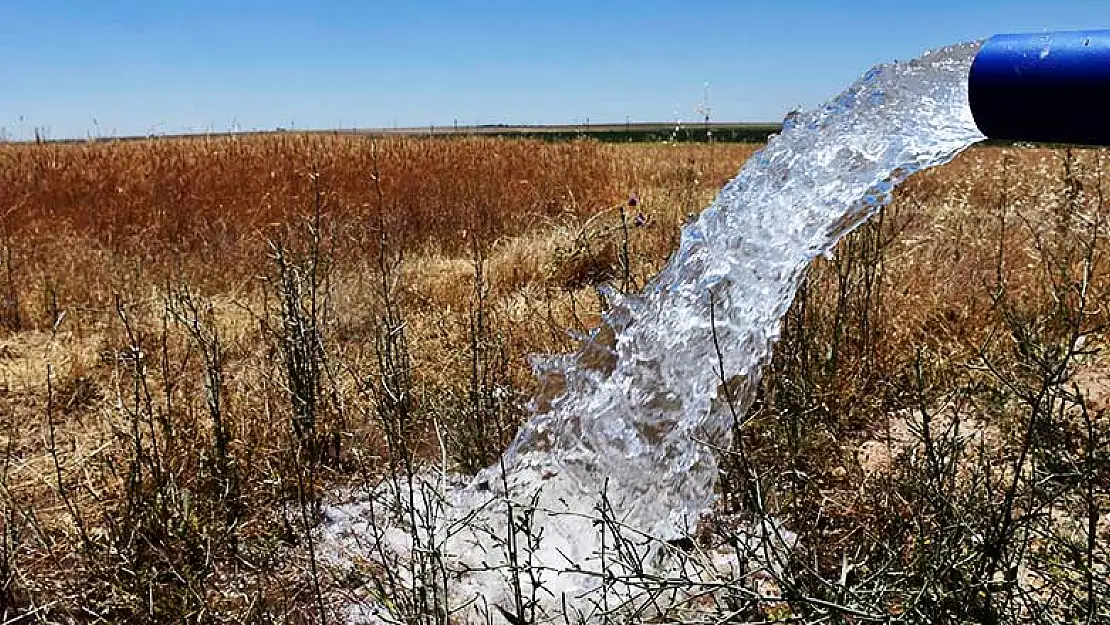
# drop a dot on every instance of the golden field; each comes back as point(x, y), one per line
point(200, 338)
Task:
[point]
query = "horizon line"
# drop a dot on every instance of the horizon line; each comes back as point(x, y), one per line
point(436, 130)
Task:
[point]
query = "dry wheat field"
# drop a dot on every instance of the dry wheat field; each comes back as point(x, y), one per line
point(202, 338)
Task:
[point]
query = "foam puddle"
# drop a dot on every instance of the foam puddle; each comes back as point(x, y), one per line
point(617, 464)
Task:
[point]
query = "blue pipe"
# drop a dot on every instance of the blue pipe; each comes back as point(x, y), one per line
point(1050, 87)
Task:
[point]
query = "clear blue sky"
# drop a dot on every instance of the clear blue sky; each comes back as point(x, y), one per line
point(92, 67)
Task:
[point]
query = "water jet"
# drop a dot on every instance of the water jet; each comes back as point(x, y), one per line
point(623, 448)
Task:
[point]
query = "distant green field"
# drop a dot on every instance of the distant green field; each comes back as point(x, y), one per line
point(613, 133)
point(640, 132)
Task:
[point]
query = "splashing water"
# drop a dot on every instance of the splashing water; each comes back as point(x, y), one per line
point(642, 403)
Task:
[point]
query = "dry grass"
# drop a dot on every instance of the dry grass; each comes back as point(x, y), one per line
point(129, 496)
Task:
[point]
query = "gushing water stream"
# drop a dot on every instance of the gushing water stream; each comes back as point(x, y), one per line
point(629, 436)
